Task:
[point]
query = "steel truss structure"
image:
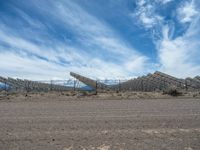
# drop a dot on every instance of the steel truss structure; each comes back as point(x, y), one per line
point(157, 81)
point(28, 85)
point(152, 82)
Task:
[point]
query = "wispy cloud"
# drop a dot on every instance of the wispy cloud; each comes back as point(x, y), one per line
point(187, 11)
point(165, 1)
point(99, 51)
point(179, 55)
point(41, 44)
point(146, 15)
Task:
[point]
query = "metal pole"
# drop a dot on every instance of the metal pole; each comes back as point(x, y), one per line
point(119, 86)
point(29, 86)
point(142, 88)
point(186, 86)
point(96, 87)
point(5, 88)
point(74, 84)
point(51, 88)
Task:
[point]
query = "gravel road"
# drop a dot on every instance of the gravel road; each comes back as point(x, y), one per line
point(168, 124)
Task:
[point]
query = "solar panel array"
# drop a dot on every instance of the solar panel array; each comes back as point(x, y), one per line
point(152, 82)
point(28, 85)
point(90, 82)
point(157, 81)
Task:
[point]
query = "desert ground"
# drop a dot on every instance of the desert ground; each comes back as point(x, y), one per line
point(137, 121)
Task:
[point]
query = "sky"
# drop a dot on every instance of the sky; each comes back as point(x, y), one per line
point(102, 39)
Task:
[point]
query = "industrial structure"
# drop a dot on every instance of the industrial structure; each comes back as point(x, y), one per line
point(157, 81)
point(28, 85)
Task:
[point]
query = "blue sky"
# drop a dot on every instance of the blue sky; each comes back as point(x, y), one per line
point(46, 39)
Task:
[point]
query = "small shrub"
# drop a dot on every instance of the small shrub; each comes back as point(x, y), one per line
point(194, 95)
point(82, 93)
point(119, 94)
point(67, 94)
point(172, 92)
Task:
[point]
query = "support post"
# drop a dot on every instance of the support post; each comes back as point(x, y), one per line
point(74, 84)
point(5, 88)
point(119, 86)
point(142, 85)
point(96, 86)
point(186, 86)
point(51, 88)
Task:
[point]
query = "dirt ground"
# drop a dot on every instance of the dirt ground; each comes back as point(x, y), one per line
point(50, 122)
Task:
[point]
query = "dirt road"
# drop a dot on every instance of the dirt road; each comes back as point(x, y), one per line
point(100, 124)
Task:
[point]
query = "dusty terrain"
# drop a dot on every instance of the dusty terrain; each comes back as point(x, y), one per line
point(59, 123)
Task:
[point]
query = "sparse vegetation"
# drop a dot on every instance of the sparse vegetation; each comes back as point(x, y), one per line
point(172, 92)
point(194, 95)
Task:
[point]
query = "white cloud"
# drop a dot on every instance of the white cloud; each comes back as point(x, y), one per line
point(180, 56)
point(20, 60)
point(141, 2)
point(187, 12)
point(136, 64)
point(165, 1)
point(34, 68)
point(145, 12)
point(25, 67)
point(92, 31)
